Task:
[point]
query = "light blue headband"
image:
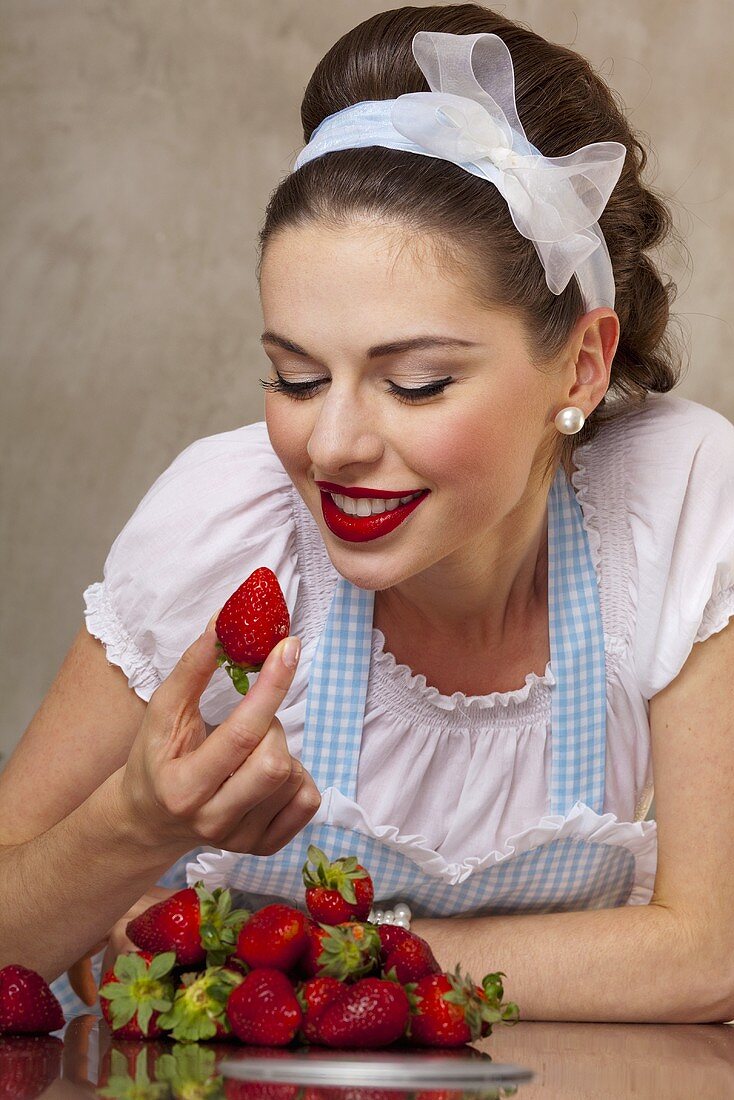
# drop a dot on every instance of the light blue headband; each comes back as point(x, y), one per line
point(469, 117)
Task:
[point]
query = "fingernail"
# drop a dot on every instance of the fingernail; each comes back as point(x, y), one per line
point(291, 652)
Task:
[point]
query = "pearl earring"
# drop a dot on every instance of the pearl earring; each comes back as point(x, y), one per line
point(570, 420)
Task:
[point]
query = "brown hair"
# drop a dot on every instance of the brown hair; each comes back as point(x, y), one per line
point(563, 104)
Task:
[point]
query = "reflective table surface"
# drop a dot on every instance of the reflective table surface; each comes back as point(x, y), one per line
point(569, 1061)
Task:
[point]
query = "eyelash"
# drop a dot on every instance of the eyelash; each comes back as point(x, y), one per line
point(301, 391)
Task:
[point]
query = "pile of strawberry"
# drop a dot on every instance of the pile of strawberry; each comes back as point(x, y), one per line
point(278, 975)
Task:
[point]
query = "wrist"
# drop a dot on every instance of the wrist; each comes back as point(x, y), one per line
point(125, 826)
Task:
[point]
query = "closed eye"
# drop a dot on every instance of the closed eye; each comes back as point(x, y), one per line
point(407, 394)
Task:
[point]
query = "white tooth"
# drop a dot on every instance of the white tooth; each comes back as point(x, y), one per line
point(338, 500)
point(350, 506)
point(363, 507)
point(391, 504)
point(378, 506)
point(404, 500)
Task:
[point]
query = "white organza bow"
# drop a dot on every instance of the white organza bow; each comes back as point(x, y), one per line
point(469, 117)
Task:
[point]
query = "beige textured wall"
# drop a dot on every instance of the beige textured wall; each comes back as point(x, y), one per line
point(139, 140)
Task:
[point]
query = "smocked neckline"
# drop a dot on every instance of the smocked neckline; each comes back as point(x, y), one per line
point(417, 683)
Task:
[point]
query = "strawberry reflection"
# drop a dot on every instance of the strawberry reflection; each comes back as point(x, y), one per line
point(189, 1071)
point(28, 1064)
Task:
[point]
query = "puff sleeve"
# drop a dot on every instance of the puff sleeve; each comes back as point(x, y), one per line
point(680, 486)
point(221, 509)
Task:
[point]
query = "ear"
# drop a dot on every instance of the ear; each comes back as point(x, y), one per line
point(592, 346)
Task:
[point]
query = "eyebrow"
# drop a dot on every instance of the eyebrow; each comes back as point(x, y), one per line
point(396, 347)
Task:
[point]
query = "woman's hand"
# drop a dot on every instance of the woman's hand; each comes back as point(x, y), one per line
point(239, 788)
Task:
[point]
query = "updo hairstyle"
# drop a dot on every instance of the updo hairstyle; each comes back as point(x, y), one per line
point(563, 105)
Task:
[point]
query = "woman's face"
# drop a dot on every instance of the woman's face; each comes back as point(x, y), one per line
point(468, 427)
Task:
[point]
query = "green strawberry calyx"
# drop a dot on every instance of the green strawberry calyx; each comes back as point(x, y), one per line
point(220, 924)
point(141, 987)
point(236, 671)
point(341, 874)
point(477, 1010)
point(200, 1004)
point(349, 951)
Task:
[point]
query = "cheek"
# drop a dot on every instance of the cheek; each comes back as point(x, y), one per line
point(288, 430)
point(480, 456)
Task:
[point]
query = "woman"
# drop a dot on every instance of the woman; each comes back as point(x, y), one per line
point(497, 549)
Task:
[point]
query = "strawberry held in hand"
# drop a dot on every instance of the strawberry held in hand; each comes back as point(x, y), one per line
point(336, 892)
point(251, 623)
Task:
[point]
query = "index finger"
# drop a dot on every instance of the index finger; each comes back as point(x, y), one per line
point(232, 742)
point(190, 676)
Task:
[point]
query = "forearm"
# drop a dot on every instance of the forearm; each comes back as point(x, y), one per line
point(62, 891)
point(633, 964)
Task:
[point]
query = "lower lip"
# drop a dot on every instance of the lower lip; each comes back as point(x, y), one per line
point(365, 528)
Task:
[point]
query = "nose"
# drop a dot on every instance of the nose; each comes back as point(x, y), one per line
point(346, 432)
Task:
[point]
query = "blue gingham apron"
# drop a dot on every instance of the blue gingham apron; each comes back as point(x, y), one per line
point(558, 875)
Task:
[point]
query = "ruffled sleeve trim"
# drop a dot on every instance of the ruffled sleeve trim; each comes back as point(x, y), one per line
point(719, 610)
point(103, 623)
point(406, 681)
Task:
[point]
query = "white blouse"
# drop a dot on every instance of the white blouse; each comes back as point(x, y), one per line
point(462, 777)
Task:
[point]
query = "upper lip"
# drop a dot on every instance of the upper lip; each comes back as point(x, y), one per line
point(359, 491)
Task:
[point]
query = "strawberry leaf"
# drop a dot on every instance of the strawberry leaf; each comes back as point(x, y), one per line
point(114, 991)
point(123, 1011)
point(162, 964)
point(145, 1014)
point(130, 966)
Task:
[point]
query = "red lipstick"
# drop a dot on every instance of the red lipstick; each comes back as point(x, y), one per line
point(364, 528)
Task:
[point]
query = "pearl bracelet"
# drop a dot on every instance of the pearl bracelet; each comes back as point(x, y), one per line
point(399, 915)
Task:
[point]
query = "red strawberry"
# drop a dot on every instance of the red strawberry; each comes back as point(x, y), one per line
point(313, 996)
point(449, 1010)
point(347, 951)
point(199, 925)
point(274, 936)
point(310, 960)
point(338, 891)
point(27, 1005)
point(263, 1010)
point(251, 623)
point(28, 1065)
point(411, 958)
point(371, 1013)
point(134, 993)
point(391, 935)
point(200, 1004)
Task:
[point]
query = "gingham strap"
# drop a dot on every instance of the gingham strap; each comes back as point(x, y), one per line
point(340, 670)
point(578, 707)
point(337, 690)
